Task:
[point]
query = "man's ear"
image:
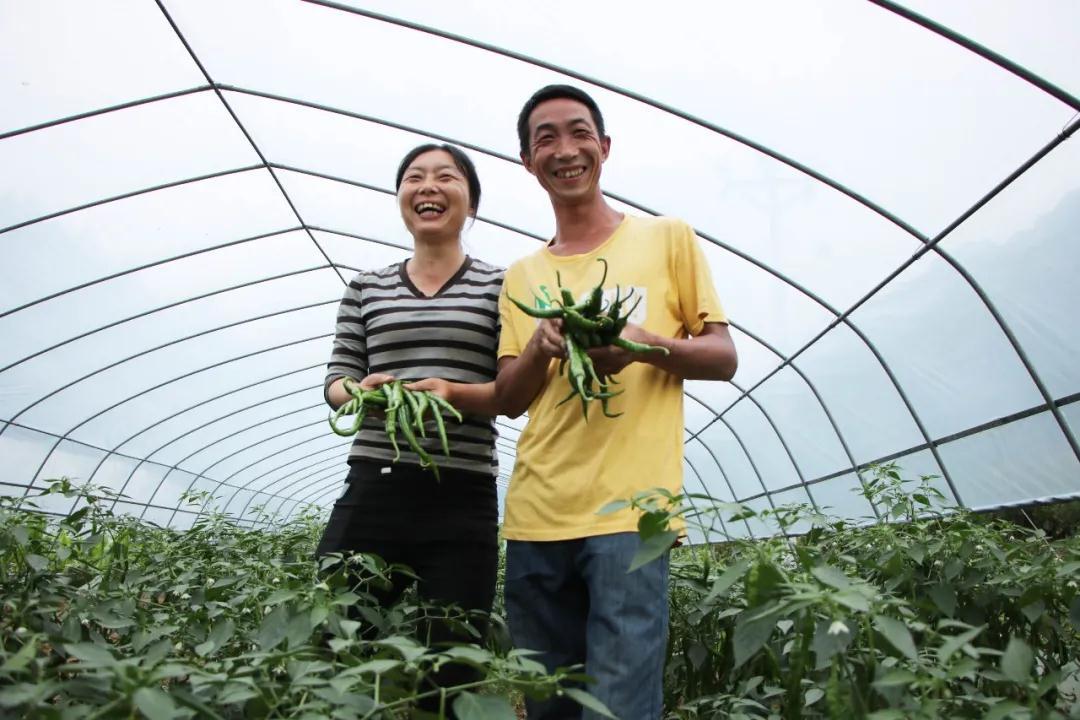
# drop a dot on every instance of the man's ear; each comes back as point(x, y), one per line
point(527, 162)
point(605, 146)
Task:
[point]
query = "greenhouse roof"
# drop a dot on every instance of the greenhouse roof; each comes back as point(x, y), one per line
point(888, 198)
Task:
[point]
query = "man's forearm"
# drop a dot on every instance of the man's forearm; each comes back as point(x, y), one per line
point(521, 379)
point(705, 357)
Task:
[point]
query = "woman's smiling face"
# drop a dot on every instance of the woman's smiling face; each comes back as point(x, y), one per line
point(434, 196)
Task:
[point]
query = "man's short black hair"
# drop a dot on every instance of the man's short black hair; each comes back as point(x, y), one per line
point(463, 162)
point(555, 92)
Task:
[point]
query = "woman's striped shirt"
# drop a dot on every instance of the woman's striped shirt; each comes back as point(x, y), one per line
point(386, 325)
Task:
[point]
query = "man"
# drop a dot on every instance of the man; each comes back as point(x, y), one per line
point(568, 594)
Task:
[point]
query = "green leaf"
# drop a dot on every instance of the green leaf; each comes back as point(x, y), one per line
point(1034, 610)
point(898, 635)
point(895, 677)
point(409, 648)
point(22, 658)
point(852, 599)
point(37, 562)
point(752, 631)
point(826, 643)
point(613, 507)
point(273, 629)
point(1002, 710)
point(588, 702)
point(154, 704)
point(1069, 568)
point(470, 706)
point(955, 642)
point(1017, 661)
point(471, 655)
point(944, 597)
point(831, 576)
point(21, 535)
point(723, 583)
point(90, 654)
point(917, 552)
point(280, 596)
point(1074, 612)
point(222, 633)
point(653, 548)
point(299, 629)
point(24, 694)
point(378, 666)
point(697, 654)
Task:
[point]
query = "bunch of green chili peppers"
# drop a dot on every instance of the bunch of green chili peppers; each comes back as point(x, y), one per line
point(588, 323)
point(403, 410)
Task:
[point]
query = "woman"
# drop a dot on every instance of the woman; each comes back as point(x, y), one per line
point(432, 318)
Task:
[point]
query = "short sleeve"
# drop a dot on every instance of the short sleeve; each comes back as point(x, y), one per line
point(510, 343)
point(698, 300)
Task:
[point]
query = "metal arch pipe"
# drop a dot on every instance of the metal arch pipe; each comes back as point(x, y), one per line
point(147, 266)
point(203, 473)
point(247, 486)
point(387, 191)
point(322, 487)
point(749, 458)
point(336, 474)
point(645, 100)
point(189, 432)
point(161, 308)
point(223, 438)
point(820, 400)
point(125, 196)
point(742, 255)
point(1070, 438)
point(171, 343)
point(701, 481)
point(984, 52)
point(312, 439)
point(307, 499)
point(727, 481)
point(336, 459)
point(326, 469)
point(105, 110)
point(176, 379)
point(624, 200)
point(247, 135)
point(952, 437)
point(192, 407)
point(776, 156)
point(354, 236)
point(287, 476)
point(31, 486)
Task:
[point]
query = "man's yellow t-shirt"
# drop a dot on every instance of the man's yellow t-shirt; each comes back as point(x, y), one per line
point(567, 468)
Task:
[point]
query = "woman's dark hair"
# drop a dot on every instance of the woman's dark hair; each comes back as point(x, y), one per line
point(555, 92)
point(464, 164)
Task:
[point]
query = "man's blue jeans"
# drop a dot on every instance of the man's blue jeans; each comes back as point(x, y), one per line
point(573, 601)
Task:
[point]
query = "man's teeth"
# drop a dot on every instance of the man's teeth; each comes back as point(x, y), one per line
point(569, 173)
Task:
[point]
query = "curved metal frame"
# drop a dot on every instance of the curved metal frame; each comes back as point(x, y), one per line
point(929, 244)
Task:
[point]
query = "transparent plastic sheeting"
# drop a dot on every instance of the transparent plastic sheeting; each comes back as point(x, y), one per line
point(888, 205)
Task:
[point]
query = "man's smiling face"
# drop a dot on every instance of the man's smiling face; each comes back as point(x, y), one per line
point(566, 151)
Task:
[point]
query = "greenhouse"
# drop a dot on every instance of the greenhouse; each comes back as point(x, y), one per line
point(885, 197)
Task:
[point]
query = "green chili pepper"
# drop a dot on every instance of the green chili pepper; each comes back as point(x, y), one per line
point(639, 347)
point(550, 312)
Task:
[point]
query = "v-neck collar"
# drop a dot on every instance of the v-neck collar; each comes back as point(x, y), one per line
point(446, 285)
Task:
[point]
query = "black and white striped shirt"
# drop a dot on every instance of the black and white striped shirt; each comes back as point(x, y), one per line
point(386, 325)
